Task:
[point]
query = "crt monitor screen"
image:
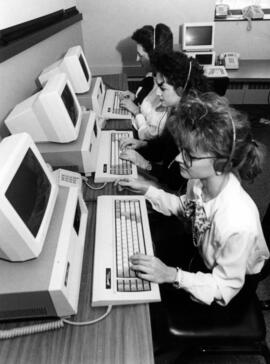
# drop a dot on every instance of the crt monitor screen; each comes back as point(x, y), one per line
point(75, 66)
point(70, 104)
point(84, 67)
point(51, 115)
point(198, 36)
point(29, 192)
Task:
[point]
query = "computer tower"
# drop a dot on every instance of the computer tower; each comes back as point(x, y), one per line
point(49, 285)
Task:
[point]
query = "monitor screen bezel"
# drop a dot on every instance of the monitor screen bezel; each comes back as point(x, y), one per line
point(205, 47)
point(25, 245)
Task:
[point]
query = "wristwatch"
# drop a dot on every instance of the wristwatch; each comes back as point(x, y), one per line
point(176, 282)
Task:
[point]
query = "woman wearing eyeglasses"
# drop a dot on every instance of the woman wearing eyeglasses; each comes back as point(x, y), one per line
point(228, 249)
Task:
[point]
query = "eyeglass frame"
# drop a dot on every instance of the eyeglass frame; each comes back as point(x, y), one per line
point(191, 157)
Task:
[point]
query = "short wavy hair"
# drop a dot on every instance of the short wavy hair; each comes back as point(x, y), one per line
point(206, 121)
point(179, 70)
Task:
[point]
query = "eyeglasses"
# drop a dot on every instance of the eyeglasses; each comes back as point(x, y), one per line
point(188, 159)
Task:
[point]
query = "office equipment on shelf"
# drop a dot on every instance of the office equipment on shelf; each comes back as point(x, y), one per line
point(52, 114)
point(215, 71)
point(81, 153)
point(230, 60)
point(74, 65)
point(49, 285)
point(198, 36)
point(204, 58)
point(105, 102)
point(28, 193)
point(222, 11)
point(122, 229)
point(109, 165)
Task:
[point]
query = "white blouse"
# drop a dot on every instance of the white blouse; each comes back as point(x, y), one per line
point(233, 246)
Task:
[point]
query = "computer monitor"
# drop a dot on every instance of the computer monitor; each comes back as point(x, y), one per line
point(204, 58)
point(28, 194)
point(50, 115)
point(75, 66)
point(198, 36)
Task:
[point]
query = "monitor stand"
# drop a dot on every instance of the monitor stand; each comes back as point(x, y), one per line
point(81, 154)
point(49, 285)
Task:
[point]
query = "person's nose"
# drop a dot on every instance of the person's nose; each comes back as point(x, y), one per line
point(159, 92)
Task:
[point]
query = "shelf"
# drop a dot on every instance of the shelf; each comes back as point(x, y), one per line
point(19, 38)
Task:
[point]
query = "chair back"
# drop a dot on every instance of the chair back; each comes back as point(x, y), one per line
point(266, 231)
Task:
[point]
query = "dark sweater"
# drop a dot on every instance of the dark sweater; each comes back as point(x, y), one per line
point(161, 152)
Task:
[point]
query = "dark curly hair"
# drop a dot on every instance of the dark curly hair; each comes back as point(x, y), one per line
point(206, 121)
point(179, 70)
point(161, 35)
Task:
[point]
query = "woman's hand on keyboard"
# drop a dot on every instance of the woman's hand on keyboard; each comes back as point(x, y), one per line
point(127, 95)
point(129, 105)
point(139, 185)
point(135, 157)
point(152, 269)
point(132, 143)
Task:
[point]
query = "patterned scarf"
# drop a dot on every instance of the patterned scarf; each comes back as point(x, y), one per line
point(194, 210)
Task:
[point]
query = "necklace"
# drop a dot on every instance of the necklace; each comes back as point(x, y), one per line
point(199, 221)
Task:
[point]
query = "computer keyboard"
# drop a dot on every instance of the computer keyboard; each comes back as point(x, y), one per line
point(122, 229)
point(111, 106)
point(129, 238)
point(116, 109)
point(109, 165)
point(118, 165)
point(215, 71)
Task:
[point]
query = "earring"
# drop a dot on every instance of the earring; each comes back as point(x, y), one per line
point(218, 173)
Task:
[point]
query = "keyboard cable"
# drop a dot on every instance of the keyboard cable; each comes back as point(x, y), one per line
point(47, 326)
point(84, 323)
point(85, 180)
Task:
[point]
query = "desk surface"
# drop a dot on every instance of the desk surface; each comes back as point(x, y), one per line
point(123, 337)
point(251, 71)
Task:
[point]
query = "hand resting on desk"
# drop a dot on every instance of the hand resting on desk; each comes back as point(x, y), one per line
point(152, 269)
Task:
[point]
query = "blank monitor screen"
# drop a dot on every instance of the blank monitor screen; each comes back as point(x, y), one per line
point(199, 35)
point(29, 192)
point(204, 58)
point(70, 105)
point(84, 68)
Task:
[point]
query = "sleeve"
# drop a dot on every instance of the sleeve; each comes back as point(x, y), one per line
point(156, 147)
point(164, 202)
point(149, 129)
point(228, 275)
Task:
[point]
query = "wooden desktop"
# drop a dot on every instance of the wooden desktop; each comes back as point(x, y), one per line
point(122, 337)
